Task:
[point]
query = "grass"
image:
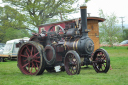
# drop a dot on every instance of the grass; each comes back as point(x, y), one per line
point(11, 75)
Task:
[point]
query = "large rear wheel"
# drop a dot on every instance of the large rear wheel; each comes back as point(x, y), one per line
point(30, 58)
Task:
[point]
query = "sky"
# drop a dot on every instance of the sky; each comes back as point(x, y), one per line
point(118, 7)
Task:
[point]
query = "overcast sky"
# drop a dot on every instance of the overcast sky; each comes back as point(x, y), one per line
point(118, 7)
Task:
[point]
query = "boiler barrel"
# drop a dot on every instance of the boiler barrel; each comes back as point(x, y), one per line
point(82, 46)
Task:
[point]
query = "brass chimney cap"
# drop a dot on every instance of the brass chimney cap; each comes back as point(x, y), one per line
point(83, 7)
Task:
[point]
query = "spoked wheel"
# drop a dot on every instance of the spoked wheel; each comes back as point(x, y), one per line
point(30, 58)
point(72, 63)
point(101, 61)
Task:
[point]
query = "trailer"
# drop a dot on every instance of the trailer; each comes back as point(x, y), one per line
point(10, 50)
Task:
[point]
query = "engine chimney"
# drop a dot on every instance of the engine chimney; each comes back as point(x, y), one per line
point(84, 20)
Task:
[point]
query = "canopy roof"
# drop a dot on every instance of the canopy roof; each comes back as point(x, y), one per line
point(71, 20)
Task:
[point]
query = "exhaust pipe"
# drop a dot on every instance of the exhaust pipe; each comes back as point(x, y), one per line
point(84, 21)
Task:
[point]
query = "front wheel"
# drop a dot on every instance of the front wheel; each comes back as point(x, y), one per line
point(72, 62)
point(101, 61)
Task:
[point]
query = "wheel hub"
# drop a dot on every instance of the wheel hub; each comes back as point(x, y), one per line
point(30, 58)
point(101, 61)
point(72, 63)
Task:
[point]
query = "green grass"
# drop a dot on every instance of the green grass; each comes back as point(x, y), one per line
point(11, 75)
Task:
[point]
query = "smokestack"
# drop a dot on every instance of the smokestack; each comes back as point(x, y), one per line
point(84, 20)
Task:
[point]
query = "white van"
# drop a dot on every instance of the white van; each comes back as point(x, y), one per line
point(10, 49)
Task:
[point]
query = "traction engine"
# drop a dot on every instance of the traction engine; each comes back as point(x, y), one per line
point(67, 51)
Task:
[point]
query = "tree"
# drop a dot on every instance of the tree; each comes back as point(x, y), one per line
point(39, 11)
point(11, 19)
point(109, 31)
point(19, 15)
point(86, 1)
point(125, 36)
point(15, 34)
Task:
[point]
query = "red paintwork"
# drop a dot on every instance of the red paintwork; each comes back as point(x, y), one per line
point(48, 26)
point(64, 23)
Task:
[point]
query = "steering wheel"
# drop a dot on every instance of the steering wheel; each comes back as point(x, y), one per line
point(51, 28)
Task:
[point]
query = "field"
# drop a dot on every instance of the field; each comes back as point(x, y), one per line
point(11, 75)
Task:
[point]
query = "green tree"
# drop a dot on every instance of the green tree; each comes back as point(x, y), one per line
point(109, 31)
point(15, 34)
point(11, 19)
point(21, 14)
point(40, 11)
point(125, 36)
point(86, 1)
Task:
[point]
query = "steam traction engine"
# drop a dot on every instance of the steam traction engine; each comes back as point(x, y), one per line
point(67, 51)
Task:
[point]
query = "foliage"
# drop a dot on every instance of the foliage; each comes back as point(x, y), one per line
point(109, 31)
point(40, 11)
point(11, 24)
point(10, 17)
point(15, 34)
point(86, 1)
point(125, 36)
point(11, 75)
point(19, 15)
point(11, 33)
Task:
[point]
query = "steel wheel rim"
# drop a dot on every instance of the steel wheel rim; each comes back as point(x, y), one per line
point(71, 64)
point(103, 62)
point(29, 59)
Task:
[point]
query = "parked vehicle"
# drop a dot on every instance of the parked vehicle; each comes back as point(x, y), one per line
point(124, 43)
point(2, 47)
point(1, 50)
point(10, 50)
